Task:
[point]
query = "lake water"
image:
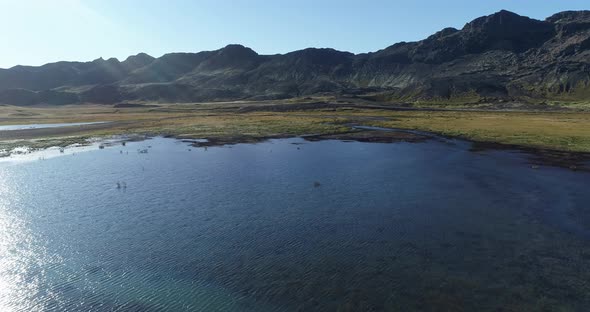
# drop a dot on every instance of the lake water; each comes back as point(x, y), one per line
point(43, 126)
point(404, 227)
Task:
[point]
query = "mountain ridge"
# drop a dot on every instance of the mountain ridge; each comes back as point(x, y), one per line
point(499, 57)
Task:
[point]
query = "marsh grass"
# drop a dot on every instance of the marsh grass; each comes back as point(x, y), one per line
point(567, 131)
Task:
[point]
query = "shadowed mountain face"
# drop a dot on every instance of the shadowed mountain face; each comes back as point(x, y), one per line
point(503, 56)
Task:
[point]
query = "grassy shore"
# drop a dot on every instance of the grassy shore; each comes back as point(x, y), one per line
point(565, 131)
point(244, 122)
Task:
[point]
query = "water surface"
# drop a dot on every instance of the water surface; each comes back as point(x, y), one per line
point(43, 126)
point(401, 227)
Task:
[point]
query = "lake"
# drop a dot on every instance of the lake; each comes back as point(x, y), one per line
point(291, 225)
point(45, 126)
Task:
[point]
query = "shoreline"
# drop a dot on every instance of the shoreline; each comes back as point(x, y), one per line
point(561, 138)
point(536, 157)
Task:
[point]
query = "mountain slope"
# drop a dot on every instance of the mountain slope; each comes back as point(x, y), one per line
point(503, 56)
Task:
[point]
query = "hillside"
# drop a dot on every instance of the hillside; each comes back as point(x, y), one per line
point(503, 57)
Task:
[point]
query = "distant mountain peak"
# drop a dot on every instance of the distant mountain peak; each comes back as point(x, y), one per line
point(443, 33)
point(569, 17)
point(140, 56)
point(505, 30)
point(502, 21)
point(137, 61)
point(101, 60)
point(235, 46)
point(320, 52)
point(231, 56)
point(502, 55)
point(504, 12)
point(237, 50)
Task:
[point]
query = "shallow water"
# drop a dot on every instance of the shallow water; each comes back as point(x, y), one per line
point(409, 226)
point(43, 126)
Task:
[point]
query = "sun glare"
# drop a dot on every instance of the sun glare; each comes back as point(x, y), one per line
point(18, 283)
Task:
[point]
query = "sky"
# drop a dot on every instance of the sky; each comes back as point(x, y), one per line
point(42, 31)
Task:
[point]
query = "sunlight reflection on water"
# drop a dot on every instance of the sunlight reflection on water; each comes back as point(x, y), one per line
point(246, 229)
point(20, 260)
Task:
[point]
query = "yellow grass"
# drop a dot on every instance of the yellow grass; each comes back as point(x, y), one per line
point(569, 131)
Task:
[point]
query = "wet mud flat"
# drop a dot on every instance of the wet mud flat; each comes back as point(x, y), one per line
point(369, 136)
point(374, 136)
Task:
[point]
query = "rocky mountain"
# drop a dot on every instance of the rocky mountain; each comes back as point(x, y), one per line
point(503, 56)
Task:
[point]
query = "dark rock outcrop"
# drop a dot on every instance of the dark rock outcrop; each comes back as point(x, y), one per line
point(503, 56)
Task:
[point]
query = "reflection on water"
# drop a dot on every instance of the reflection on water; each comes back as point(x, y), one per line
point(43, 126)
point(22, 262)
point(406, 227)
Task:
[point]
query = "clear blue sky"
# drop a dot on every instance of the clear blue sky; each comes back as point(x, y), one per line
point(38, 32)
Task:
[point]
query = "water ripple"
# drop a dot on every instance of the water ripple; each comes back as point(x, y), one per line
point(390, 227)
